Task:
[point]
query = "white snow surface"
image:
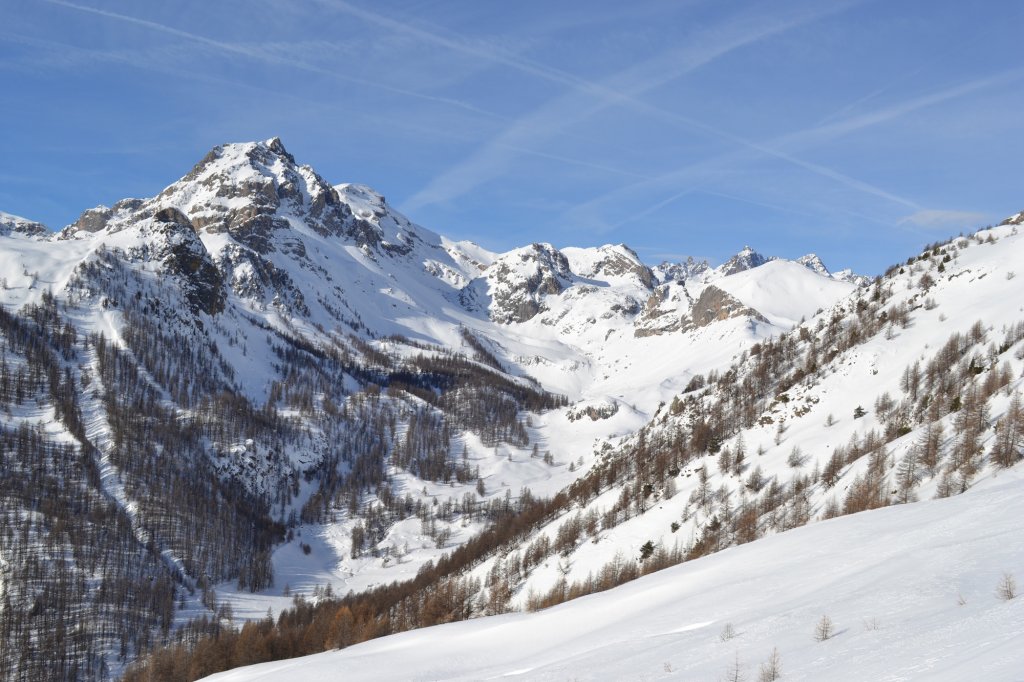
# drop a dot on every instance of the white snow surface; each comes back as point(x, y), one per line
point(785, 291)
point(911, 591)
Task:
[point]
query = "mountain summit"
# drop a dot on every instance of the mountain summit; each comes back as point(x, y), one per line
point(746, 259)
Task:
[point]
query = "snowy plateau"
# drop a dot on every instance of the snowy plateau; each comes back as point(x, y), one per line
point(259, 393)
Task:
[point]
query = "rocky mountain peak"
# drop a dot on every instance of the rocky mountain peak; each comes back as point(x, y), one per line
point(744, 260)
point(252, 190)
point(518, 281)
point(275, 145)
point(611, 261)
point(813, 263)
point(680, 272)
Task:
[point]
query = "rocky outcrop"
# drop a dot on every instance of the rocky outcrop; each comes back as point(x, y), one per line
point(621, 261)
point(518, 282)
point(12, 224)
point(183, 256)
point(246, 190)
point(744, 260)
point(689, 269)
point(662, 312)
point(93, 219)
point(715, 305)
point(255, 277)
point(814, 264)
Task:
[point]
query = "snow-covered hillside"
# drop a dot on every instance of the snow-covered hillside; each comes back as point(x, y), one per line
point(907, 390)
point(274, 385)
point(912, 592)
point(784, 291)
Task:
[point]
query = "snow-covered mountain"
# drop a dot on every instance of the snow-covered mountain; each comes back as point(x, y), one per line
point(272, 386)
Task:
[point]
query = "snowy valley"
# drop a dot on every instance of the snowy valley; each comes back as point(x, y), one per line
point(258, 391)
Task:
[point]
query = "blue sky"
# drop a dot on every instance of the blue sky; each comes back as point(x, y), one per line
point(858, 130)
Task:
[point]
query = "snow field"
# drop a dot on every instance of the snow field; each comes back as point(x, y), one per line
point(911, 591)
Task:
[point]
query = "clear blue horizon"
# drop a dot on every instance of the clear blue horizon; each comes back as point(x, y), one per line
point(856, 130)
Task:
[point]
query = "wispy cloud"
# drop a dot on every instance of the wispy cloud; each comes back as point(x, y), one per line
point(478, 49)
point(692, 176)
point(164, 59)
point(624, 88)
point(938, 219)
point(846, 126)
point(272, 56)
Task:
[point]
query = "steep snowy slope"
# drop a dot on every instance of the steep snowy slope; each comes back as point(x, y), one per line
point(911, 591)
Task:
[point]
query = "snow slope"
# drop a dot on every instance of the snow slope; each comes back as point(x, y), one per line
point(911, 591)
point(784, 291)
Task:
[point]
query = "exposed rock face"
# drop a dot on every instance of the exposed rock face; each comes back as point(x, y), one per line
point(171, 215)
point(814, 264)
point(518, 282)
point(1015, 219)
point(93, 219)
point(12, 224)
point(248, 190)
point(714, 305)
point(621, 261)
point(255, 277)
point(373, 225)
point(661, 314)
point(101, 218)
point(744, 260)
point(691, 268)
point(182, 255)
